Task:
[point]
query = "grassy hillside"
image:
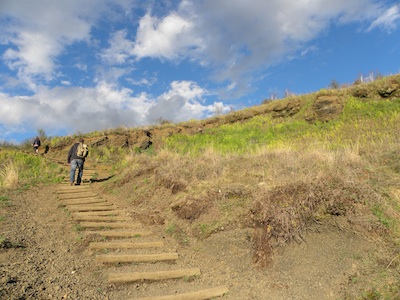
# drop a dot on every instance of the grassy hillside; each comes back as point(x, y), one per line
point(331, 157)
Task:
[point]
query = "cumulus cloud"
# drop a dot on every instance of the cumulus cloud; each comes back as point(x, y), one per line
point(40, 30)
point(236, 39)
point(230, 37)
point(120, 48)
point(163, 38)
point(73, 109)
point(182, 102)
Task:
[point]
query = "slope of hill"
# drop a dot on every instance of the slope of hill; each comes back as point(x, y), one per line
point(305, 188)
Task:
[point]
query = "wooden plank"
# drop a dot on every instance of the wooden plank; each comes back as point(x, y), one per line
point(110, 233)
point(68, 189)
point(90, 207)
point(98, 213)
point(77, 196)
point(81, 201)
point(100, 218)
point(110, 225)
point(197, 295)
point(124, 245)
point(129, 258)
point(160, 275)
point(71, 190)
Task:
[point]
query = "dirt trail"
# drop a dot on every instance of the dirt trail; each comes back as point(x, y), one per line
point(61, 258)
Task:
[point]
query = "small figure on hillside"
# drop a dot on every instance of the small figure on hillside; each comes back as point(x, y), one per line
point(36, 144)
point(76, 158)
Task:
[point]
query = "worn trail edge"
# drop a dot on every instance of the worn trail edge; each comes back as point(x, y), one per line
point(93, 212)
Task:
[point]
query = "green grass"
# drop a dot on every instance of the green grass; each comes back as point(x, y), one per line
point(30, 169)
point(177, 233)
point(5, 201)
point(382, 217)
point(380, 117)
point(78, 228)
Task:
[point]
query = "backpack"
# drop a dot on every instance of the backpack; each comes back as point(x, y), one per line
point(81, 150)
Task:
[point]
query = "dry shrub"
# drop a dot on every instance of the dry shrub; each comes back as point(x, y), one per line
point(169, 180)
point(137, 165)
point(9, 175)
point(151, 218)
point(300, 188)
point(191, 208)
point(281, 214)
point(176, 172)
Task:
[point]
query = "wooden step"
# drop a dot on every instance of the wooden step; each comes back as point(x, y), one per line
point(130, 258)
point(110, 213)
point(66, 187)
point(81, 201)
point(111, 233)
point(197, 295)
point(90, 207)
point(71, 191)
point(110, 225)
point(160, 275)
point(77, 196)
point(124, 245)
point(100, 218)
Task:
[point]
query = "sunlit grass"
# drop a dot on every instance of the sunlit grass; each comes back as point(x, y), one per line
point(18, 167)
point(9, 175)
point(361, 123)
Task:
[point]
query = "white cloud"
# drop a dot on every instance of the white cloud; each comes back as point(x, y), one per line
point(119, 49)
point(181, 103)
point(40, 30)
point(65, 82)
point(105, 106)
point(236, 37)
point(388, 19)
point(232, 37)
point(143, 81)
point(161, 38)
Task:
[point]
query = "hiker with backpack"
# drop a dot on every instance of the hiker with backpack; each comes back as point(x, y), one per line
point(36, 144)
point(76, 158)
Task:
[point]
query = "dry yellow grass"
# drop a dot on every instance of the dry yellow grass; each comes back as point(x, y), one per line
point(9, 176)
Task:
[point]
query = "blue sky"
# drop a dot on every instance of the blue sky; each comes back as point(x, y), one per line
point(70, 66)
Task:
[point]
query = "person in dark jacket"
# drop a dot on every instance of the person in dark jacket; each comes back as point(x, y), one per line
point(76, 162)
point(36, 144)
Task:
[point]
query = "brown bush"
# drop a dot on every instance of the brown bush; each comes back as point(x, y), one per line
point(190, 208)
point(281, 214)
point(169, 181)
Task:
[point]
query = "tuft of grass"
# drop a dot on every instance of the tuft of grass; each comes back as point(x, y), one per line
point(179, 234)
point(5, 200)
point(78, 227)
point(9, 175)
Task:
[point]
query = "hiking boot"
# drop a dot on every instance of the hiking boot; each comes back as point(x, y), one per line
point(71, 183)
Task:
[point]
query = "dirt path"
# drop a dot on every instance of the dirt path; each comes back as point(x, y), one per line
point(52, 257)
